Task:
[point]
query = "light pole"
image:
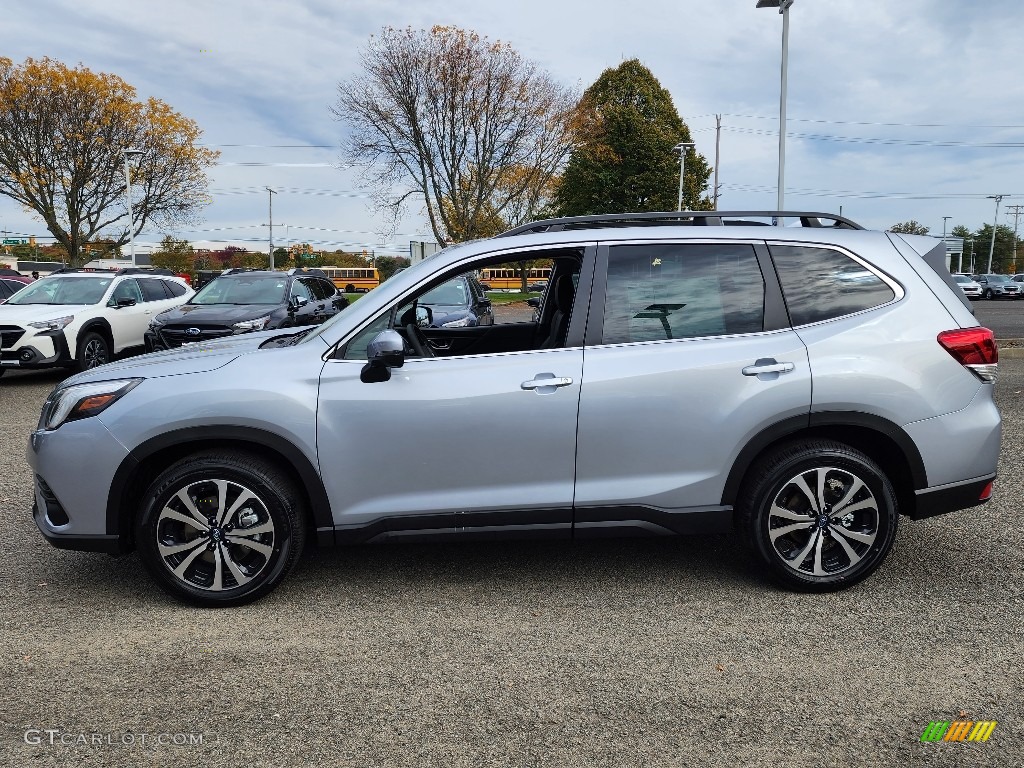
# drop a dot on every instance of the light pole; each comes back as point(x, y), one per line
point(995, 222)
point(271, 198)
point(128, 191)
point(944, 220)
point(783, 6)
point(681, 148)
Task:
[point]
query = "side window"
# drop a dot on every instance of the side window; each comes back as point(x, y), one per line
point(356, 349)
point(679, 291)
point(299, 289)
point(153, 290)
point(175, 289)
point(327, 288)
point(820, 283)
point(5, 292)
point(317, 288)
point(126, 289)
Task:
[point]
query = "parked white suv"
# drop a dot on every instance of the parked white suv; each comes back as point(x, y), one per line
point(83, 319)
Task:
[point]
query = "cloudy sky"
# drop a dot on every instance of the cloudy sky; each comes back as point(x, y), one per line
point(897, 110)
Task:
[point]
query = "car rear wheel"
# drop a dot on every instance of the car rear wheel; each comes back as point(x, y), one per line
point(987, 294)
point(220, 528)
point(820, 515)
point(93, 351)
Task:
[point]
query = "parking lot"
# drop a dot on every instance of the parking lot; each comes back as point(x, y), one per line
point(606, 653)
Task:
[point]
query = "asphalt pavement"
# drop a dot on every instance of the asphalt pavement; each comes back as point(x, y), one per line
point(1004, 316)
point(600, 653)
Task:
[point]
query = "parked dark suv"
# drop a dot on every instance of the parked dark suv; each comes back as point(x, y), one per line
point(247, 300)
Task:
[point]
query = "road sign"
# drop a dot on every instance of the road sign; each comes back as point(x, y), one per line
point(9, 241)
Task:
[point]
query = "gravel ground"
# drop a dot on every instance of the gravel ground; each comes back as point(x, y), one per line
point(608, 653)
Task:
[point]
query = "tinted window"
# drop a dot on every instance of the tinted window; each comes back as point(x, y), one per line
point(318, 288)
point(5, 291)
point(243, 289)
point(153, 290)
point(176, 289)
point(65, 290)
point(680, 291)
point(820, 283)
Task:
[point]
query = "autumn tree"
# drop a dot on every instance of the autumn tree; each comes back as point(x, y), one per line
point(463, 123)
point(911, 227)
point(175, 255)
point(624, 158)
point(62, 135)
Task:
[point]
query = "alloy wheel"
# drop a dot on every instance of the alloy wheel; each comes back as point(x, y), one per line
point(823, 521)
point(215, 535)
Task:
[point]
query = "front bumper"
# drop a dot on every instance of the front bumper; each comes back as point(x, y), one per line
point(71, 493)
point(48, 349)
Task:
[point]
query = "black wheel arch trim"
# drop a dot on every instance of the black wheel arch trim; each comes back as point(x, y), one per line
point(819, 420)
point(118, 518)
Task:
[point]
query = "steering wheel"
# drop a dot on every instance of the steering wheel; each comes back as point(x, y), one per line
point(418, 340)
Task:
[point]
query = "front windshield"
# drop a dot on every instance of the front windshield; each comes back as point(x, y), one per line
point(999, 279)
point(63, 290)
point(962, 279)
point(245, 289)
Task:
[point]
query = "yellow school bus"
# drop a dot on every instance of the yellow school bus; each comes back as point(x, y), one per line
point(504, 279)
point(353, 279)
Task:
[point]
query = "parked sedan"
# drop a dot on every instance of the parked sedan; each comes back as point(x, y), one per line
point(971, 289)
point(999, 287)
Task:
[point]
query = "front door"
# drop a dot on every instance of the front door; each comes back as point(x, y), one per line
point(473, 444)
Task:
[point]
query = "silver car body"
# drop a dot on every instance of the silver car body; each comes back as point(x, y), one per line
point(649, 436)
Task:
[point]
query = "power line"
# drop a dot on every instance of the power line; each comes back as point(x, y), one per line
point(856, 122)
point(875, 140)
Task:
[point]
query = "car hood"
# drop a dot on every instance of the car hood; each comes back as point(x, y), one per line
point(216, 314)
point(32, 313)
point(190, 358)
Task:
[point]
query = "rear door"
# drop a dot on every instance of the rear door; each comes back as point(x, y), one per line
point(689, 354)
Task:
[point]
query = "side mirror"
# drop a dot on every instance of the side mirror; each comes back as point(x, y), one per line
point(534, 301)
point(126, 302)
point(298, 302)
point(386, 351)
point(424, 316)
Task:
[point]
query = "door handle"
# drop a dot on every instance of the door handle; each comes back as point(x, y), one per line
point(768, 365)
point(542, 381)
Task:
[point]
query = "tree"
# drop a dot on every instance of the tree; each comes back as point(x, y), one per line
point(62, 134)
point(1002, 257)
point(175, 255)
point(624, 159)
point(462, 122)
point(388, 265)
point(909, 228)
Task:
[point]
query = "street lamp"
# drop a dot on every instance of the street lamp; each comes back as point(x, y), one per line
point(995, 221)
point(681, 148)
point(128, 190)
point(271, 198)
point(783, 6)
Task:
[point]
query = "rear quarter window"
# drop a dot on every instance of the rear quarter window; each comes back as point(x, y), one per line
point(821, 283)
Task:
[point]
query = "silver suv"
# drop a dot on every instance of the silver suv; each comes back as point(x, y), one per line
point(803, 385)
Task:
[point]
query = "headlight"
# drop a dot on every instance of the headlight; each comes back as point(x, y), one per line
point(53, 325)
point(81, 401)
point(252, 325)
point(462, 322)
point(155, 323)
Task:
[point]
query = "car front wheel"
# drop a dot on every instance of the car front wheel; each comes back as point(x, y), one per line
point(820, 515)
point(93, 351)
point(220, 528)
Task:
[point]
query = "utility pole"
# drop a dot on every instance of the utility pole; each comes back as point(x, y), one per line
point(995, 223)
point(718, 144)
point(271, 197)
point(681, 147)
point(1016, 211)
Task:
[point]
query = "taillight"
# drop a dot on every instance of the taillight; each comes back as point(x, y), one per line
point(986, 493)
point(973, 348)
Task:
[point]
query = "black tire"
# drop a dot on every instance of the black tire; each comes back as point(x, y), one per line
point(824, 550)
point(224, 568)
point(987, 294)
point(349, 288)
point(93, 350)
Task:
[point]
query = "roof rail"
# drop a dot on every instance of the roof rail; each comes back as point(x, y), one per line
point(679, 219)
point(143, 271)
point(307, 272)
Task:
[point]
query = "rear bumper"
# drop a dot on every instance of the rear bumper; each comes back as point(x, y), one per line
point(951, 498)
